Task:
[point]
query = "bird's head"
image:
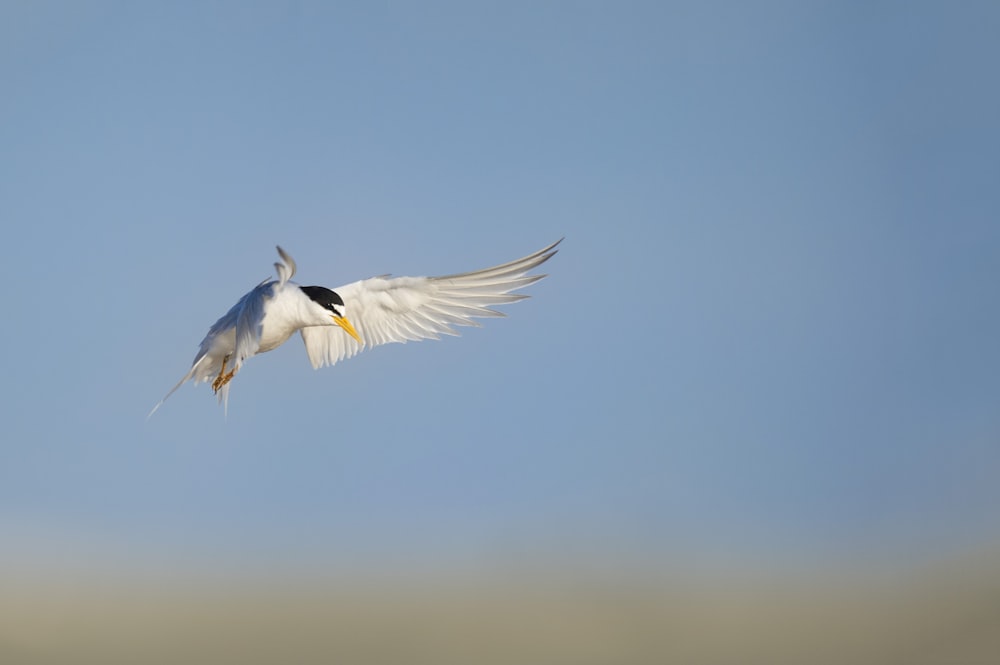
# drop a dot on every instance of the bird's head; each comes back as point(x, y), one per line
point(334, 307)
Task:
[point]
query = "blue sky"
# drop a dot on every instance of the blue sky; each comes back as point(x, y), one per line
point(770, 335)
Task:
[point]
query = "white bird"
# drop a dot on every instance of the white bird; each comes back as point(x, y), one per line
point(383, 309)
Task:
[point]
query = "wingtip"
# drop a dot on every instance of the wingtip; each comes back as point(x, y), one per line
point(286, 270)
point(548, 252)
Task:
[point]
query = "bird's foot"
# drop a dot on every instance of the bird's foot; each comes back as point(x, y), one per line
point(223, 378)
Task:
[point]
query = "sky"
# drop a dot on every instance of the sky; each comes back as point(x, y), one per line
point(769, 337)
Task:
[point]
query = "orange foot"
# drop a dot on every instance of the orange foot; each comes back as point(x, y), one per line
point(223, 378)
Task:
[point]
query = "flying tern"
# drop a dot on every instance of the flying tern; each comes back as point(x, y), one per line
point(336, 324)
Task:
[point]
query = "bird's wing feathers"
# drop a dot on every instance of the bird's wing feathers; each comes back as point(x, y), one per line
point(249, 322)
point(286, 268)
point(250, 316)
point(385, 309)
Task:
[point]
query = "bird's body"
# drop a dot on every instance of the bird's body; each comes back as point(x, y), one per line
point(383, 309)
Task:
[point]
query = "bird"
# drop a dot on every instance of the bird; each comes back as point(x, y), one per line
point(337, 324)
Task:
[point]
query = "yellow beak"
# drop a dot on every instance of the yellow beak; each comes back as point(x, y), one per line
point(348, 328)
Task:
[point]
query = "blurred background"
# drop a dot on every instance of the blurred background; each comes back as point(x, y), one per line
point(751, 416)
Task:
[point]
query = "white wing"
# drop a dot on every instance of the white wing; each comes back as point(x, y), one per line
point(286, 268)
point(249, 322)
point(250, 311)
point(399, 309)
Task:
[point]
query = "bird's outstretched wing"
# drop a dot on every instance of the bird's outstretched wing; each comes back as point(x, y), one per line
point(399, 309)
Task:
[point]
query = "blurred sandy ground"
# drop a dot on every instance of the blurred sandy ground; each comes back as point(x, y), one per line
point(946, 613)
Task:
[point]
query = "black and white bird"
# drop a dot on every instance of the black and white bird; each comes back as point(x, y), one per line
point(336, 324)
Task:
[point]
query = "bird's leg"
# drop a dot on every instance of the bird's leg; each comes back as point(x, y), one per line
point(227, 378)
point(223, 378)
point(218, 380)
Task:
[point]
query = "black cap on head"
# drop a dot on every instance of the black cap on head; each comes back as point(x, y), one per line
point(325, 298)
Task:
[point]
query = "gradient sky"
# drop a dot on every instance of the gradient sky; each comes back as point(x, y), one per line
point(770, 334)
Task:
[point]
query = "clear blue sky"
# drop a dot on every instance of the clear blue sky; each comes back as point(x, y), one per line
point(771, 333)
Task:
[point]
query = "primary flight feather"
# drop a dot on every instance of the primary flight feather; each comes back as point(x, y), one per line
point(336, 324)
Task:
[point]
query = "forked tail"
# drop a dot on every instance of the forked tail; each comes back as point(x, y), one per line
point(187, 377)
